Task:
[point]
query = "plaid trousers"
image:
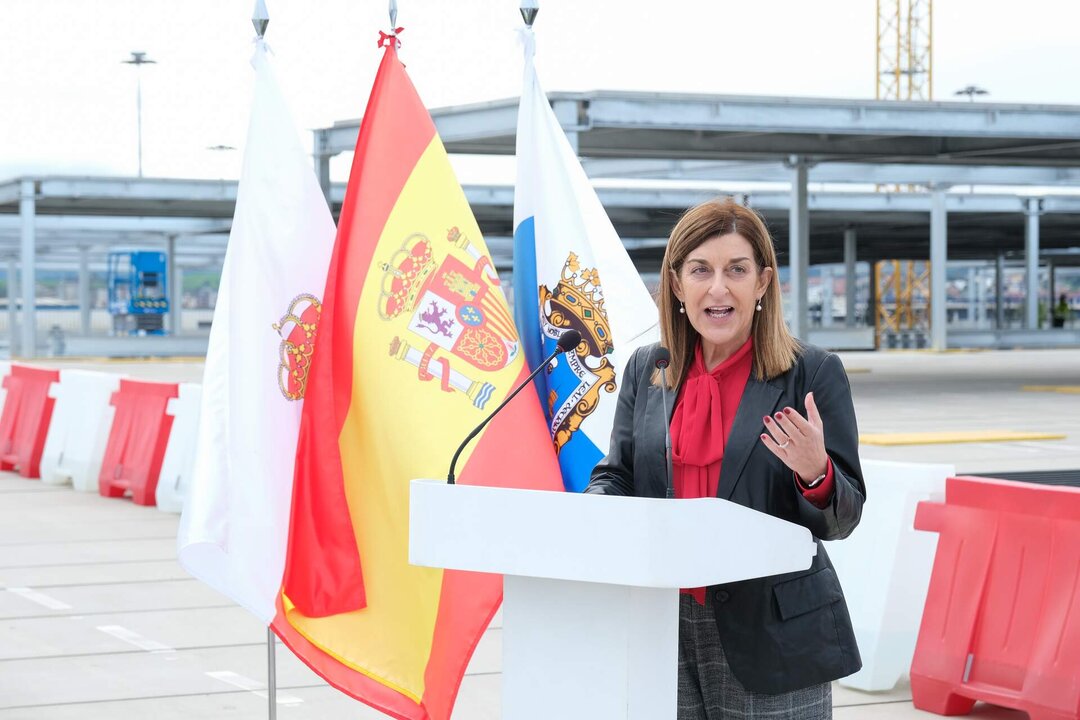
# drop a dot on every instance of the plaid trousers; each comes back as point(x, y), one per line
point(709, 691)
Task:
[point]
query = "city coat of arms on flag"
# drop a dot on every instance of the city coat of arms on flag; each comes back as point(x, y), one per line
point(574, 384)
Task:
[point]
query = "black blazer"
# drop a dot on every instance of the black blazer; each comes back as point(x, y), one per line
point(783, 632)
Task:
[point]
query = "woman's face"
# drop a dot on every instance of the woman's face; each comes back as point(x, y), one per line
point(720, 285)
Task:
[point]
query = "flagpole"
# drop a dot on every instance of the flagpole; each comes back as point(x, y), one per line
point(529, 8)
point(271, 673)
point(260, 18)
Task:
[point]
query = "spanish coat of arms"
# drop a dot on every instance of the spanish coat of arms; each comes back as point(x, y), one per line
point(455, 311)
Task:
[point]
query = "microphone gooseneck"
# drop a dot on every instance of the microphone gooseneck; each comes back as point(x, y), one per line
point(569, 340)
point(661, 360)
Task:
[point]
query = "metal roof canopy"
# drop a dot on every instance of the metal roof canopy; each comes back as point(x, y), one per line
point(612, 124)
point(114, 211)
point(802, 132)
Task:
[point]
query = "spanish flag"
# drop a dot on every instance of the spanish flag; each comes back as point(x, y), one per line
point(415, 346)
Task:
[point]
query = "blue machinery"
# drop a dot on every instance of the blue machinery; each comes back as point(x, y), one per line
point(138, 294)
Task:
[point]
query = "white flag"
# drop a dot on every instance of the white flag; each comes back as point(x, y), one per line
point(235, 524)
point(571, 271)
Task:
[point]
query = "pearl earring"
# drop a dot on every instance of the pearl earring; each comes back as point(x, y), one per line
point(759, 304)
point(682, 308)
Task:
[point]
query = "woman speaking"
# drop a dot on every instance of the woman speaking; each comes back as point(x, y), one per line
point(759, 419)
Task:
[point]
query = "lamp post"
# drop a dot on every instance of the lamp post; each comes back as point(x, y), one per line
point(220, 148)
point(971, 91)
point(138, 59)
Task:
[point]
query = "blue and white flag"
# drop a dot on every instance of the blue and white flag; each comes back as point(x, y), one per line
point(571, 271)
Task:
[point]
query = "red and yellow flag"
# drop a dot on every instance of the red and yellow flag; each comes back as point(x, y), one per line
point(415, 347)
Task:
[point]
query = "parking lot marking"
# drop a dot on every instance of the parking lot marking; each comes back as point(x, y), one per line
point(1067, 389)
point(253, 686)
point(40, 598)
point(954, 436)
point(134, 638)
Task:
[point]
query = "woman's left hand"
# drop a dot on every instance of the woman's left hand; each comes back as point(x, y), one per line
point(799, 442)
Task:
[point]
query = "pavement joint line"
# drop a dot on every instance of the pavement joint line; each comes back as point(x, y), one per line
point(148, 582)
point(80, 615)
point(39, 598)
point(30, 491)
point(871, 702)
point(106, 541)
point(83, 564)
point(133, 638)
point(64, 656)
point(44, 586)
point(4, 708)
point(83, 541)
point(253, 686)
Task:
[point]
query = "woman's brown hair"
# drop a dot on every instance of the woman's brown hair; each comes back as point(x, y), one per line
point(774, 347)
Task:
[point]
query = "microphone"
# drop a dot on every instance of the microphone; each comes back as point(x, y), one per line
point(567, 342)
point(661, 358)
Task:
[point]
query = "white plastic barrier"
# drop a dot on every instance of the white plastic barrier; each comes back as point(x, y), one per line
point(79, 430)
point(884, 568)
point(179, 461)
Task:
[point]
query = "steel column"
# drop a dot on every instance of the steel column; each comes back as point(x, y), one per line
point(84, 290)
point(572, 138)
point(322, 162)
point(850, 238)
point(171, 279)
point(938, 261)
point(980, 299)
point(1031, 262)
point(827, 280)
point(28, 346)
point(798, 246)
point(999, 292)
point(1051, 297)
point(12, 300)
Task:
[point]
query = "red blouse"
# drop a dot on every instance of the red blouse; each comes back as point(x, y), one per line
point(701, 424)
point(704, 413)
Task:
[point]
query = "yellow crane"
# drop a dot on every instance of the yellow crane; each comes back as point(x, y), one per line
point(904, 66)
point(904, 71)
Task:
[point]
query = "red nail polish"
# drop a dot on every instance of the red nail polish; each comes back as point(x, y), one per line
point(764, 437)
point(767, 419)
point(779, 416)
point(787, 411)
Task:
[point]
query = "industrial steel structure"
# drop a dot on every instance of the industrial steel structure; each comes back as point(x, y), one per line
point(811, 166)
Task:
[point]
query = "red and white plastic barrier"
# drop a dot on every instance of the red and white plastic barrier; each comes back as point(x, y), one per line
point(79, 431)
point(24, 422)
point(179, 460)
point(137, 442)
point(1002, 616)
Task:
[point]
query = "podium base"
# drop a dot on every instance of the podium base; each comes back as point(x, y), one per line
point(587, 650)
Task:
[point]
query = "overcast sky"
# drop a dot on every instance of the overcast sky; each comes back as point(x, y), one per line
point(67, 104)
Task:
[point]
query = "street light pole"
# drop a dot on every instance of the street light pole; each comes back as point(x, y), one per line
point(971, 91)
point(138, 59)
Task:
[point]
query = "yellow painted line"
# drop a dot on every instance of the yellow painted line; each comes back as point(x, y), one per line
point(856, 370)
point(1070, 389)
point(949, 437)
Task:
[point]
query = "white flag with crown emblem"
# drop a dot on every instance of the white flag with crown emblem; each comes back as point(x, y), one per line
point(235, 524)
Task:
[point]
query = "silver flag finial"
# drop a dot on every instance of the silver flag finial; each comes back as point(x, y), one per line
point(393, 14)
point(260, 19)
point(529, 8)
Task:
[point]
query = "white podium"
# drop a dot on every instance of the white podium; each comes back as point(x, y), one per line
point(591, 585)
